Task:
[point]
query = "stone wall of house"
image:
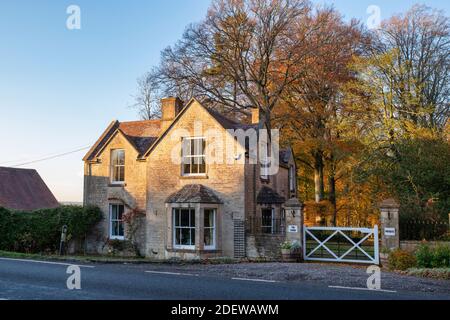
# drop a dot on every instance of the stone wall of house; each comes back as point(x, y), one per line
point(164, 178)
point(100, 192)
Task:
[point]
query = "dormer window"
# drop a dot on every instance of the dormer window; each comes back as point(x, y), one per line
point(118, 166)
point(193, 155)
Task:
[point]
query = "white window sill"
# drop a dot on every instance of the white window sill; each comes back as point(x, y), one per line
point(194, 176)
point(184, 248)
point(117, 238)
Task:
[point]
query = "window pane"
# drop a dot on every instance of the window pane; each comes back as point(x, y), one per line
point(120, 209)
point(121, 173)
point(209, 218)
point(266, 220)
point(184, 218)
point(120, 229)
point(114, 212)
point(198, 143)
point(121, 157)
point(192, 237)
point(185, 236)
point(208, 237)
point(178, 237)
point(114, 226)
point(185, 147)
point(187, 168)
point(113, 157)
point(202, 165)
point(176, 214)
point(192, 147)
point(192, 218)
point(195, 168)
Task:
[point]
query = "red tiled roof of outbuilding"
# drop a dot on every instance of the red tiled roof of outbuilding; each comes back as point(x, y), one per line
point(24, 189)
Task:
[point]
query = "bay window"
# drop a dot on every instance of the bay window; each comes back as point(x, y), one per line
point(184, 228)
point(209, 231)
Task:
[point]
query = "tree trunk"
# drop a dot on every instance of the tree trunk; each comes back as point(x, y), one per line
point(318, 176)
point(332, 195)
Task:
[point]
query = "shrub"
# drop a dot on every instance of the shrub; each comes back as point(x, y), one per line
point(401, 260)
point(286, 245)
point(39, 231)
point(424, 256)
point(441, 257)
point(293, 246)
point(438, 257)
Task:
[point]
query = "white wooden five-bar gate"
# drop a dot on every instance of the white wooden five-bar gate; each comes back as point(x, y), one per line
point(341, 244)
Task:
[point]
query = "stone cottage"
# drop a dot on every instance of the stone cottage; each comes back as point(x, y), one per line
point(186, 206)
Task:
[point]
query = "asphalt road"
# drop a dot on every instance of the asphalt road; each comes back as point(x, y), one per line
point(29, 280)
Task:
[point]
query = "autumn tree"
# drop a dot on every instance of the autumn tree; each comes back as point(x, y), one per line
point(402, 88)
point(313, 108)
point(245, 53)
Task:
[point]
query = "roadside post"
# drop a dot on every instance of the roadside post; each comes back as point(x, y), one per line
point(62, 243)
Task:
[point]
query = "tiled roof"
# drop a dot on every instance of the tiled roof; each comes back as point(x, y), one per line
point(267, 195)
point(141, 133)
point(228, 123)
point(23, 189)
point(194, 193)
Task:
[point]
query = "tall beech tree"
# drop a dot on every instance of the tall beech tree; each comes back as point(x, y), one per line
point(313, 107)
point(245, 53)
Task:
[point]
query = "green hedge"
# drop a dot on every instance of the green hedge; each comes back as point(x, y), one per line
point(437, 257)
point(39, 231)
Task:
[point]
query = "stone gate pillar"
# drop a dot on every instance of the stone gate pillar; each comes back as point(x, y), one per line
point(390, 237)
point(293, 209)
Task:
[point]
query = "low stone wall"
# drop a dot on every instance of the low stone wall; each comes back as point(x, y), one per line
point(266, 246)
point(412, 245)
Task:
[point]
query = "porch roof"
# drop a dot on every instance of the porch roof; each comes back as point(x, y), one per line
point(268, 196)
point(194, 193)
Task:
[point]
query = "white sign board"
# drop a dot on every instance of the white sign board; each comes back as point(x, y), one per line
point(293, 228)
point(389, 232)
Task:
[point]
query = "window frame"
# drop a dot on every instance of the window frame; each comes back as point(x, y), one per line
point(120, 221)
point(271, 226)
point(213, 228)
point(264, 164)
point(175, 228)
point(193, 156)
point(113, 166)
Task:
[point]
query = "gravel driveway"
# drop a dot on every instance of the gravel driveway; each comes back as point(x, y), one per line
point(324, 273)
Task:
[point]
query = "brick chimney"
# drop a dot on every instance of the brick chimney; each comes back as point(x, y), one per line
point(170, 107)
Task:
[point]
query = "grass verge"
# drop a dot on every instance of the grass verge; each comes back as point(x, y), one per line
point(435, 273)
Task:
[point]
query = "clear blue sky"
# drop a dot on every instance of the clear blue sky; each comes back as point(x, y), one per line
point(60, 88)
